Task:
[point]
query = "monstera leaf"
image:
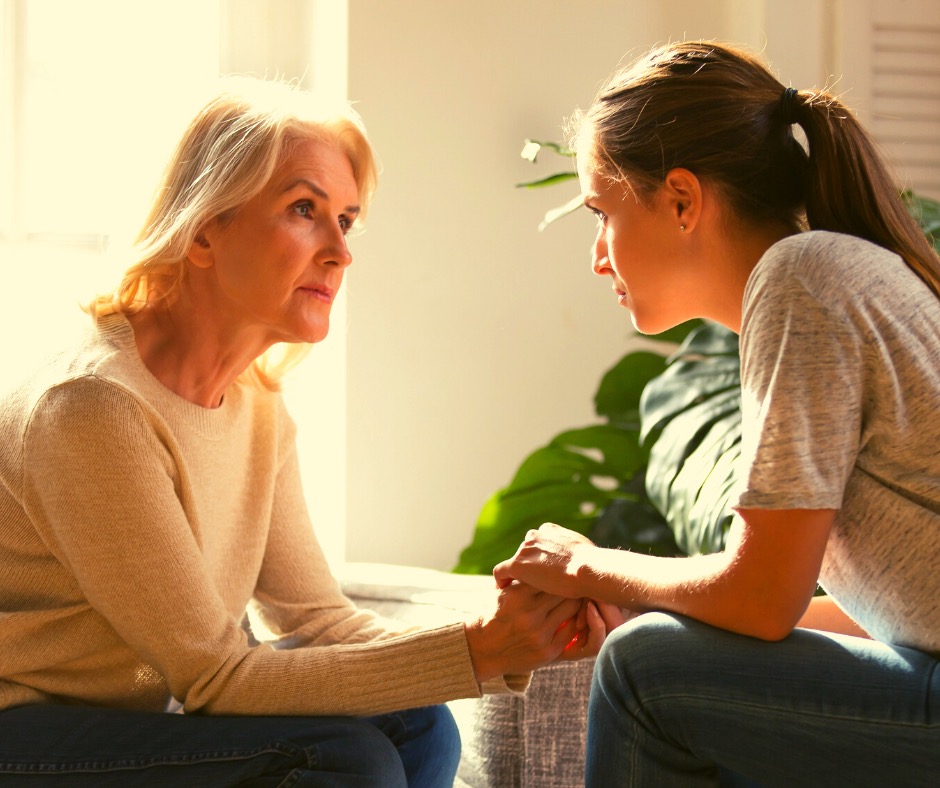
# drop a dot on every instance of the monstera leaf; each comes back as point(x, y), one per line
point(658, 474)
point(590, 480)
point(927, 214)
point(692, 416)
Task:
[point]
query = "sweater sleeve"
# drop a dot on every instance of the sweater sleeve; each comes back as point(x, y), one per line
point(300, 602)
point(101, 486)
point(296, 597)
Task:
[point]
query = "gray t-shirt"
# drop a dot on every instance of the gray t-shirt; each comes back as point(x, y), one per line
point(840, 369)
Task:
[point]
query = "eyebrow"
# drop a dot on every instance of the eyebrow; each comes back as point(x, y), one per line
point(317, 191)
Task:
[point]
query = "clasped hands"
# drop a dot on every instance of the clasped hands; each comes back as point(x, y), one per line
point(540, 615)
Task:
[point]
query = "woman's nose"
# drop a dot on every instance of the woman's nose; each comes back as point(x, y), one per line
point(338, 252)
point(344, 258)
point(600, 264)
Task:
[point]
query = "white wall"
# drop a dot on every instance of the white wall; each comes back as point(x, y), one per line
point(472, 337)
point(466, 337)
point(306, 41)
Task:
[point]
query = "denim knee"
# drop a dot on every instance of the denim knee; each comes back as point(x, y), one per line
point(362, 754)
point(443, 737)
point(427, 741)
point(647, 641)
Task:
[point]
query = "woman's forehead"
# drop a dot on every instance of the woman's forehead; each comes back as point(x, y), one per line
point(317, 160)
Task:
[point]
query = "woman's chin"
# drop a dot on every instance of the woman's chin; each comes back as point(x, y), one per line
point(312, 333)
point(651, 325)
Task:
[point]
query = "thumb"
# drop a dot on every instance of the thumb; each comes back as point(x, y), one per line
point(502, 574)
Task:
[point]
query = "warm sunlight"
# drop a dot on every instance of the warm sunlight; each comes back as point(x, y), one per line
point(93, 96)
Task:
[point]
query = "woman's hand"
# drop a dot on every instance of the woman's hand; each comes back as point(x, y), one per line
point(596, 620)
point(526, 630)
point(548, 559)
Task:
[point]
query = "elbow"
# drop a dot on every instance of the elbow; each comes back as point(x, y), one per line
point(773, 632)
point(775, 623)
point(771, 623)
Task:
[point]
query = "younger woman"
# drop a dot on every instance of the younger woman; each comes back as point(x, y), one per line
point(709, 207)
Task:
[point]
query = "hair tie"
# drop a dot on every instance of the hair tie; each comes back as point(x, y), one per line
point(787, 104)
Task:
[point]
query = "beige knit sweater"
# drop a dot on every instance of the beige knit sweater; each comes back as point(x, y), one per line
point(135, 528)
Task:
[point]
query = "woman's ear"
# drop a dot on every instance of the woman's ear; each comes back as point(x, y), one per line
point(683, 190)
point(200, 251)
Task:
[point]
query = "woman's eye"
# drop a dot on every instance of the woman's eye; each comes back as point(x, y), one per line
point(345, 224)
point(303, 208)
point(598, 214)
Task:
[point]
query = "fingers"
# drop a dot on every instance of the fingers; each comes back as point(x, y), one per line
point(566, 639)
point(556, 617)
point(597, 631)
point(611, 614)
point(588, 640)
point(540, 609)
point(530, 629)
point(506, 571)
point(503, 574)
point(559, 611)
point(582, 615)
point(544, 559)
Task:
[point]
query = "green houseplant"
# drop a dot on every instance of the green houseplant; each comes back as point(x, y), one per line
point(656, 473)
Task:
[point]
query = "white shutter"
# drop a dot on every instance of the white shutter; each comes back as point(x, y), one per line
point(890, 55)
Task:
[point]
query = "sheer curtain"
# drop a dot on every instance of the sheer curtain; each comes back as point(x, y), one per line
point(93, 96)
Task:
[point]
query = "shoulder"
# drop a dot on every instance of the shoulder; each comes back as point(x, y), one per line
point(842, 277)
point(64, 381)
point(823, 264)
point(83, 409)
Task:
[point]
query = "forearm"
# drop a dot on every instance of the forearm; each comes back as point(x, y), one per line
point(713, 589)
point(759, 585)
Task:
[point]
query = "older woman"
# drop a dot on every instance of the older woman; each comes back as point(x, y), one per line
point(150, 492)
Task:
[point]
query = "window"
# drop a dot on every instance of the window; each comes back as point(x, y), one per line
point(906, 99)
point(93, 96)
point(95, 89)
point(890, 55)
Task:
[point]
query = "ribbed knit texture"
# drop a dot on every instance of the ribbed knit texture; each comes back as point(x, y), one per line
point(135, 528)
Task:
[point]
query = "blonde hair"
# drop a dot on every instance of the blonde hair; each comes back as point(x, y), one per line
point(226, 156)
point(718, 111)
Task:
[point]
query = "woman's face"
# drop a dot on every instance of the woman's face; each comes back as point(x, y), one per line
point(274, 269)
point(637, 246)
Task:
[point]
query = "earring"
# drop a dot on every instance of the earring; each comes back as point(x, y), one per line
point(681, 228)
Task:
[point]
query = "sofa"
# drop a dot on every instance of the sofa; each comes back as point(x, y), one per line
point(535, 740)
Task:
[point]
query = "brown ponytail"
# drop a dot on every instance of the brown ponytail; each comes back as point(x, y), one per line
point(718, 112)
point(849, 188)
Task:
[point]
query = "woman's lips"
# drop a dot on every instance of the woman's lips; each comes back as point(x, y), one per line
point(320, 293)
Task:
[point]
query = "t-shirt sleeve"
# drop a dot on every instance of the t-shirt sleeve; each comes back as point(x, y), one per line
point(802, 395)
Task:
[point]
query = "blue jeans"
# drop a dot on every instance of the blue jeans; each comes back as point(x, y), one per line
point(678, 703)
point(78, 746)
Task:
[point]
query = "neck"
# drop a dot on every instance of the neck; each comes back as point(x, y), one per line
point(734, 260)
point(194, 357)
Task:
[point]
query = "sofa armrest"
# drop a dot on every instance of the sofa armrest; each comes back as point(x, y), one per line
point(415, 594)
point(554, 725)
